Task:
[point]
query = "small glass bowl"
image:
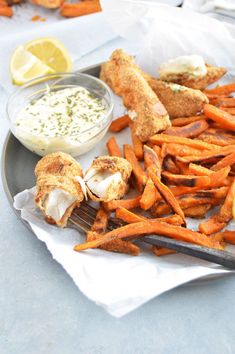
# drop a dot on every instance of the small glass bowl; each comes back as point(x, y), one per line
point(76, 144)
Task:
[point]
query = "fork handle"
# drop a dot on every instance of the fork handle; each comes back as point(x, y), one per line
point(224, 258)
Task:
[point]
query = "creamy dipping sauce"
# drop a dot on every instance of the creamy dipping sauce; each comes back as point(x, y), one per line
point(193, 65)
point(58, 119)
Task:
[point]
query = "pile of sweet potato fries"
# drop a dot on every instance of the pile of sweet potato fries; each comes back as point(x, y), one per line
point(67, 9)
point(184, 171)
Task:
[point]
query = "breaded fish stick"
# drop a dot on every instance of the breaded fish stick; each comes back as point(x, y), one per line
point(127, 81)
point(60, 187)
point(107, 178)
point(213, 74)
point(179, 101)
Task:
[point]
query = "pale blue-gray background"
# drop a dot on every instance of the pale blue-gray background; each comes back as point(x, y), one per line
point(43, 312)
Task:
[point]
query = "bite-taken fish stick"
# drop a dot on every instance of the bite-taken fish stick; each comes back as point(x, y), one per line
point(190, 71)
point(60, 187)
point(179, 101)
point(107, 178)
point(127, 80)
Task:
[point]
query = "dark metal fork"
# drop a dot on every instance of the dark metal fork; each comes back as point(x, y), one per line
point(83, 217)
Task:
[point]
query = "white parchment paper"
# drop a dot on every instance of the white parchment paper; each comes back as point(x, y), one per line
point(222, 9)
point(118, 282)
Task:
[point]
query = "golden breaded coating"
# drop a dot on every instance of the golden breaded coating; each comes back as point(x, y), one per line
point(127, 80)
point(60, 174)
point(113, 164)
point(58, 163)
point(107, 178)
point(214, 73)
point(180, 101)
point(48, 183)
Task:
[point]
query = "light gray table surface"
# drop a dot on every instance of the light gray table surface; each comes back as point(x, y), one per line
point(43, 312)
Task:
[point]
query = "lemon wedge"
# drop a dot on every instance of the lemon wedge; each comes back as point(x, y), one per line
point(25, 66)
point(51, 52)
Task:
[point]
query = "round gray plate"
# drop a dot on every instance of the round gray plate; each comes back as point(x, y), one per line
point(18, 165)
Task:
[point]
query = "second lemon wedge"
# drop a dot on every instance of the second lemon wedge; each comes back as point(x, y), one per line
point(25, 66)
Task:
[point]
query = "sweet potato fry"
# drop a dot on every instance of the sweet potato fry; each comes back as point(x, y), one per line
point(160, 251)
point(218, 238)
point(220, 178)
point(185, 202)
point(137, 143)
point(183, 180)
point(224, 119)
point(98, 229)
point(183, 167)
point(180, 122)
point(119, 124)
point(163, 152)
point(226, 209)
point(199, 170)
point(137, 170)
point(218, 137)
point(228, 160)
point(149, 195)
point(156, 149)
point(227, 236)
point(6, 11)
point(127, 216)
point(172, 219)
point(218, 221)
point(152, 227)
point(125, 247)
point(228, 106)
point(217, 179)
point(101, 221)
point(212, 225)
point(170, 166)
point(181, 190)
point(113, 147)
point(117, 245)
point(217, 193)
point(220, 131)
point(206, 156)
point(230, 110)
point(166, 193)
point(217, 101)
point(124, 203)
point(80, 9)
point(179, 150)
point(159, 139)
point(221, 90)
point(198, 211)
point(190, 130)
point(212, 96)
point(151, 158)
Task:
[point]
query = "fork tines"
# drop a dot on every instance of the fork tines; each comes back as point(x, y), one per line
point(84, 217)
